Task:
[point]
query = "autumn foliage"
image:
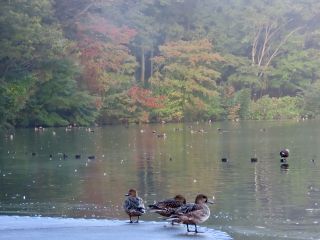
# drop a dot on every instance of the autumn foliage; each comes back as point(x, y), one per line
point(102, 48)
point(145, 97)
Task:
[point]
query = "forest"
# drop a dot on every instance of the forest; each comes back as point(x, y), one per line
point(85, 62)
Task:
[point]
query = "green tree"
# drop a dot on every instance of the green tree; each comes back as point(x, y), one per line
point(185, 73)
point(59, 101)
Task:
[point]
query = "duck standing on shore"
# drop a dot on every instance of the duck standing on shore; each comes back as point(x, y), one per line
point(168, 207)
point(192, 213)
point(133, 205)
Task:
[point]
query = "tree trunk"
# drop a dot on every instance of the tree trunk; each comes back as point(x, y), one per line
point(151, 62)
point(143, 67)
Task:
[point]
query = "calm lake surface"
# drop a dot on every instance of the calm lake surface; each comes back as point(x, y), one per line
point(252, 200)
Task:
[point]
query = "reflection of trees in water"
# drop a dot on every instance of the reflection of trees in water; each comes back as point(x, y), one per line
point(144, 156)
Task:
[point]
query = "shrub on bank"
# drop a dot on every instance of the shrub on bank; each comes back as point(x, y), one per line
point(270, 108)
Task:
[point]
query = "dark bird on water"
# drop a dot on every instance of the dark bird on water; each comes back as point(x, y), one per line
point(284, 153)
point(192, 213)
point(224, 159)
point(254, 159)
point(167, 207)
point(133, 205)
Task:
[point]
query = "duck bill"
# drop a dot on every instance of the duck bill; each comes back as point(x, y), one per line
point(127, 194)
point(211, 202)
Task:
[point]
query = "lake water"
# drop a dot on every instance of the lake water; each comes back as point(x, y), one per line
point(252, 200)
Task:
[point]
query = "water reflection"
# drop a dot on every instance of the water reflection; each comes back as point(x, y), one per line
point(251, 198)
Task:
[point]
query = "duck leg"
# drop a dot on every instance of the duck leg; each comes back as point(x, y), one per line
point(137, 220)
point(188, 228)
point(195, 228)
point(130, 219)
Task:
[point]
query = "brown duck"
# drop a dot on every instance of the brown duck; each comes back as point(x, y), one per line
point(168, 207)
point(192, 213)
point(133, 205)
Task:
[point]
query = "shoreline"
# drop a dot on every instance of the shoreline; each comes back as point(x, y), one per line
point(33, 228)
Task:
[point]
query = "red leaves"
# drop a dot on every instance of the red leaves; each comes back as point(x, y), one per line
point(102, 48)
point(145, 97)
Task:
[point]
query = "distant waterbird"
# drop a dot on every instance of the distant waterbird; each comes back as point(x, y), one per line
point(254, 159)
point(284, 153)
point(224, 159)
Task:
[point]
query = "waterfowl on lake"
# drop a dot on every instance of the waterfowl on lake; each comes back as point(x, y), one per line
point(224, 159)
point(168, 207)
point(77, 156)
point(254, 159)
point(91, 157)
point(133, 205)
point(192, 213)
point(284, 153)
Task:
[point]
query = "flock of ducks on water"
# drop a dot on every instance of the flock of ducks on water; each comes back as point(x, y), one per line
point(176, 209)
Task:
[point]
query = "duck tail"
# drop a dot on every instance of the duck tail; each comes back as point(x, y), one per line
point(174, 218)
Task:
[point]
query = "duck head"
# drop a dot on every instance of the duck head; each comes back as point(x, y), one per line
point(201, 198)
point(180, 198)
point(132, 193)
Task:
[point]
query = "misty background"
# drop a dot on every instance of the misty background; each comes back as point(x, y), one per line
point(118, 61)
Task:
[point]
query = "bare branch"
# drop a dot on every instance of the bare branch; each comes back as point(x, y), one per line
point(275, 53)
point(254, 45)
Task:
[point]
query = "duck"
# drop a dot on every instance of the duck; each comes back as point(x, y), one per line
point(193, 213)
point(133, 205)
point(224, 159)
point(284, 153)
point(254, 159)
point(168, 207)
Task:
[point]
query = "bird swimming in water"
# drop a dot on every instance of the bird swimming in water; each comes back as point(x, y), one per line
point(133, 205)
point(168, 207)
point(284, 153)
point(192, 213)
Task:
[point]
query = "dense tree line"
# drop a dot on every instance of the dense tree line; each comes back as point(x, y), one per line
point(93, 61)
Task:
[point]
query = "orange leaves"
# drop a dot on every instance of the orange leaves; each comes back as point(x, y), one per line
point(102, 48)
point(145, 97)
